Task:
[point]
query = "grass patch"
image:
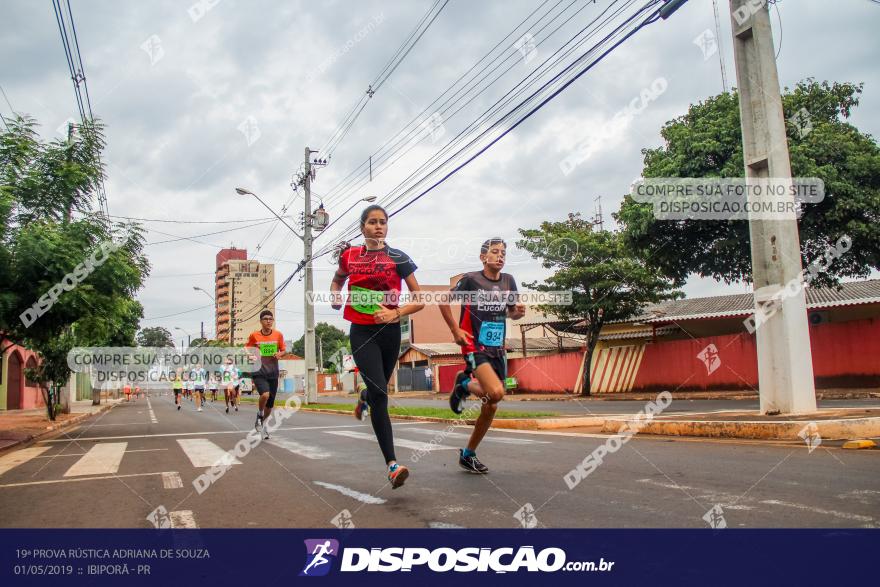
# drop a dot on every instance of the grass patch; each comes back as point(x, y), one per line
point(426, 411)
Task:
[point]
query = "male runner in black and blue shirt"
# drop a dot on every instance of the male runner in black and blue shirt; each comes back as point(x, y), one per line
point(488, 299)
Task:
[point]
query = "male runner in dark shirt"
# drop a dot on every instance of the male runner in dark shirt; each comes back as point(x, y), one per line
point(488, 299)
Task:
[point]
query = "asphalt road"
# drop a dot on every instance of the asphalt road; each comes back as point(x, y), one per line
point(587, 407)
point(118, 468)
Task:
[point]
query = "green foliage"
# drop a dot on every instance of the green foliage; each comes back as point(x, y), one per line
point(155, 336)
point(606, 280)
point(327, 336)
point(707, 142)
point(40, 248)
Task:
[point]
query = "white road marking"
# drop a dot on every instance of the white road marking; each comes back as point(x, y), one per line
point(362, 497)
point(183, 519)
point(81, 439)
point(79, 454)
point(303, 450)
point(19, 457)
point(726, 498)
point(101, 459)
point(152, 413)
point(414, 445)
point(445, 526)
point(815, 510)
point(74, 479)
point(172, 480)
point(489, 438)
point(203, 453)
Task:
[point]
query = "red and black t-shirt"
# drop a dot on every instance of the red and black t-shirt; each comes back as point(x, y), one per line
point(484, 310)
point(374, 278)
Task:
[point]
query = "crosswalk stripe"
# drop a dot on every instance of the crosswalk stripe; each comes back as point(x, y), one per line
point(203, 453)
point(102, 459)
point(75, 479)
point(18, 457)
point(172, 480)
point(303, 450)
point(499, 439)
point(183, 519)
point(168, 434)
point(414, 445)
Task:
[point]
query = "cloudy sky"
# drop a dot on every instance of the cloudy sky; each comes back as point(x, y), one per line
point(199, 98)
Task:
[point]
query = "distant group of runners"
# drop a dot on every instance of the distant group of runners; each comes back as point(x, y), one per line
point(191, 384)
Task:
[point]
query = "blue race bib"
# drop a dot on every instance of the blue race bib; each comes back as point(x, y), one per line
point(492, 334)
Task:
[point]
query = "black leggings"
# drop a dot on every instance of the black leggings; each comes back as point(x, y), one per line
point(375, 349)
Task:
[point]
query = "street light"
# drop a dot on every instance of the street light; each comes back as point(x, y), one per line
point(197, 288)
point(366, 199)
point(188, 336)
point(244, 192)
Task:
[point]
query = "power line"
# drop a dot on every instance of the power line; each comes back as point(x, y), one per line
point(192, 221)
point(514, 93)
point(77, 75)
point(390, 67)
point(559, 80)
point(410, 141)
point(189, 238)
point(178, 313)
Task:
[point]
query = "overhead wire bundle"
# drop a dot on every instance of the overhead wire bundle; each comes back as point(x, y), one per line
point(545, 83)
point(488, 128)
point(67, 29)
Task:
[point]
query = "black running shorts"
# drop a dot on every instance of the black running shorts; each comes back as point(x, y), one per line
point(474, 360)
point(267, 385)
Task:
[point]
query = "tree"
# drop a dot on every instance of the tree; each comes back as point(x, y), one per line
point(155, 336)
point(208, 342)
point(328, 337)
point(707, 142)
point(69, 275)
point(606, 280)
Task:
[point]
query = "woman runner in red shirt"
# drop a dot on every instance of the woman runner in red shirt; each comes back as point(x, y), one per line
point(374, 272)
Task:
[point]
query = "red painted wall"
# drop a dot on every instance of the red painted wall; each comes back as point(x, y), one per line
point(674, 364)
point(845, 354)
point(546, 374)
point(542, 374)
point(446, 376)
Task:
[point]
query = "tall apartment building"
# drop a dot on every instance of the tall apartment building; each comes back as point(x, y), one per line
point(241, 285)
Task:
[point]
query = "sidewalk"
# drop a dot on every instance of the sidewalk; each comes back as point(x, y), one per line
point(18, 427)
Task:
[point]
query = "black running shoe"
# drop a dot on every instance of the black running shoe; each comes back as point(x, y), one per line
point(471, 464)
point(459, 393)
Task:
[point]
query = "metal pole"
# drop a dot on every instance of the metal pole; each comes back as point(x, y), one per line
point(311, 391)
point(785, 365)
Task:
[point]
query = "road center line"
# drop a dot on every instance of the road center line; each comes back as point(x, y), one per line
point(362, 497)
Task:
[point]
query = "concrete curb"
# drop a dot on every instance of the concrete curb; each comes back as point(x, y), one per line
point(837, 429)
point(54, 428)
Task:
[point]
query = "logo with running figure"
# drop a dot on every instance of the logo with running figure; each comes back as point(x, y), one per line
point(320, 554)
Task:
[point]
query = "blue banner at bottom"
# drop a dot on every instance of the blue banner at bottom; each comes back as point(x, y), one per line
point(372, 557)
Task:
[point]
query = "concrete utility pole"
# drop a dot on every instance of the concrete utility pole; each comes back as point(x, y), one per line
point(311, 395)
point(785, 366)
